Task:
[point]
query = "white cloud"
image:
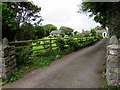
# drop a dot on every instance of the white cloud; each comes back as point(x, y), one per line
point(64, 13)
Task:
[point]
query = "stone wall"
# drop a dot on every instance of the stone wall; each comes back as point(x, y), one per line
point(113, 62)
point(8, 63)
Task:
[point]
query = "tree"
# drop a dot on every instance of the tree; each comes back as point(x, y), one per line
point(66, 30)
point(79, 35)
point(40, 31)
point(48, 28)
point(14, 14)
point(86, 35)
point(62, 34)
point(93, 32)
point(8, 22)
point(26, 32)
point(98, 28)
point(106, 13)
point(75, 33)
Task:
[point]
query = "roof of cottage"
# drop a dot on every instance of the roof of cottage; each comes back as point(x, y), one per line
point(55, 32)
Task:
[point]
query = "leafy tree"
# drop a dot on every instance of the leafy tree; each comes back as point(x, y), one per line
point(48, 28)
point(8, 22)
point(40, 31)
point(93, 32)
point(86, 35)
point(106, 13)
point(14, 14)
point(79, 35)
point(26, 12)
point(26, 32)
point(99, 28)
point(62, 34)
point(66, 30)
point(75, 33)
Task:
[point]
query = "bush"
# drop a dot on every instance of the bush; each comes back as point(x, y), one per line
point(73, 43)
point(50, 36)
point(60, 43)
point(24, 56)
point(46, 44)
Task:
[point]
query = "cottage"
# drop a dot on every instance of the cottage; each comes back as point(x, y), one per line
point(104, 33)
point(54, 33)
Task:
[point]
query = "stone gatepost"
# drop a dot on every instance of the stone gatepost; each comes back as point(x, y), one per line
point(113, 63)
point(8, 63)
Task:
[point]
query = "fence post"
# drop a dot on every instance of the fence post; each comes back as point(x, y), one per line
point(31, 47)
point(50, 43)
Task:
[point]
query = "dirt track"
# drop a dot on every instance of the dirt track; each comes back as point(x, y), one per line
point(80, 69)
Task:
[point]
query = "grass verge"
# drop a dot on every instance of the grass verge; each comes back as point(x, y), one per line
point(42, 60)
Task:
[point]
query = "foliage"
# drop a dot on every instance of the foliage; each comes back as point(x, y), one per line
point(48, 28)
point(26, 32)
point(24, 56)
point(50, 37)
point(66, 30)
point(26, 12)
point(46, 44)
point(62, 34)
point(78, 35)
point(19, 73)
point(93, 32)
point(72, 43)
point(14, 14)
point(60, 43)
point(98, 28)
point(106, 13)
point(86, 35)
point(75, 33)
point(40, 31)
point(8, 22)
point(43, 60)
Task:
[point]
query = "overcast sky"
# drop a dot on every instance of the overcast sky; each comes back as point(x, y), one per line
point(64, 13)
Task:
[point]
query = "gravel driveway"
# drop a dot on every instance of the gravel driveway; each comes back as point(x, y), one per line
point(80, 69)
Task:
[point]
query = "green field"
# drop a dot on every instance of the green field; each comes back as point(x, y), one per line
point(47, 44)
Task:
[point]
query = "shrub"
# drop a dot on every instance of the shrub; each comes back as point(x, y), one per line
point(73, 43)
point(50, 36)
point(46, 44)
point(86, 35)
point(24, 56)
point(60, 43)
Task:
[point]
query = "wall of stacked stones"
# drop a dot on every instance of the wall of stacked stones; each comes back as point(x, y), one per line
point(113, 62)
point(8, 63)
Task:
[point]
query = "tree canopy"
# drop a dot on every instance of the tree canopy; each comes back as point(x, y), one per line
point(106, 13)
point(15, 14)
point(40, 31)
point(48, 28)
point(66, 30)
point(98, 28)
point(26, 32)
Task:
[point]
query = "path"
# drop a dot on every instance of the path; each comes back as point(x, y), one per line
point(77, 70)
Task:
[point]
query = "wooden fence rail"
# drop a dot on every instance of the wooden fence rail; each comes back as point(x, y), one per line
point(41, 44)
